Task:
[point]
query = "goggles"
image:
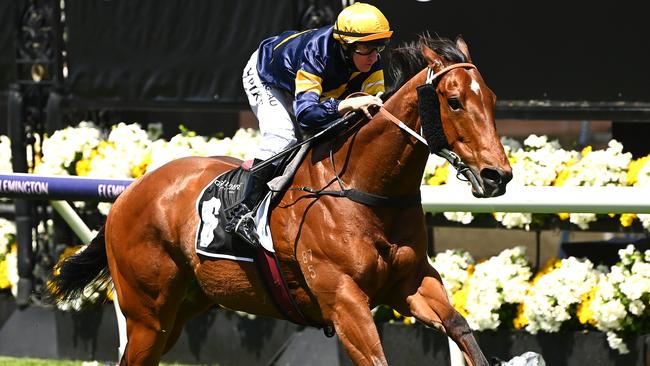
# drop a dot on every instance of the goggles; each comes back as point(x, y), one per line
point(367, 48)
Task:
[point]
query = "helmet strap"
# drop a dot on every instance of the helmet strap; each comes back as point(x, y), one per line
point(347, 56)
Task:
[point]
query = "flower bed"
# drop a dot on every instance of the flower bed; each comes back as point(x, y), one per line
point(567, 295)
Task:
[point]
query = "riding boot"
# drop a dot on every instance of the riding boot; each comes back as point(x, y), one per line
point(242, 222)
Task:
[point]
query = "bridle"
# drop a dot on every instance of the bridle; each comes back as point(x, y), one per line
point(436, 140)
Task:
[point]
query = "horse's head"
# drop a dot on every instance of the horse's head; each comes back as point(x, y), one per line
point(457, 115)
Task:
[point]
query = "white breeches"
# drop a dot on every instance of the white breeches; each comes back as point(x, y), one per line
point(273, 109)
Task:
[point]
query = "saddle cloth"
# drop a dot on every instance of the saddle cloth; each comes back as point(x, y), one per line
point(222, 193)
point(211, 239)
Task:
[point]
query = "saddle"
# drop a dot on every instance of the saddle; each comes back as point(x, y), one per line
point(213, 206)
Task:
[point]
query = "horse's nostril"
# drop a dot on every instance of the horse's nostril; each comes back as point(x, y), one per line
point(492, 175)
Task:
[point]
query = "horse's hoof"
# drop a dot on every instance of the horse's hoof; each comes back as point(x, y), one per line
point(329, 331)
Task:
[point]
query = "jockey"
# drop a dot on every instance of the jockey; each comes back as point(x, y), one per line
point(304, 77)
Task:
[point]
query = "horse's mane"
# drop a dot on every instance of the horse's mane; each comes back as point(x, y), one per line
point(406, 60)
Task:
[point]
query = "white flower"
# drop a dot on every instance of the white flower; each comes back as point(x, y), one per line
point(636, 307)
point(5, 155)
point(645, 220)
point(7, 231)
point(539, 162)
point(502, 279)
point(628, 282)
point(601, 167)
point(617, 343)
point(535, 141)
point(462, 217)
point(104, 207)
point(549, 300)
point(65, 147)
point(582, 220)
point(643, 176)
point(244, 143)
point(514, 219)
point(453, 267)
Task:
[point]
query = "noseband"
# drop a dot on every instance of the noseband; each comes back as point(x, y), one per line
point(429, 110)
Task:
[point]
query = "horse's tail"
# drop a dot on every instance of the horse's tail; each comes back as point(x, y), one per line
point(70, 277)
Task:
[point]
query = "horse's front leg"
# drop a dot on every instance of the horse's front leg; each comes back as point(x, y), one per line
point(350, 313)
point(425, 298)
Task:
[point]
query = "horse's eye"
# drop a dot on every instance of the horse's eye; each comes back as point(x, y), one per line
point(454, 103)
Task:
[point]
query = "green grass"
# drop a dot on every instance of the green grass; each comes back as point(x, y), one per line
point(13, 361)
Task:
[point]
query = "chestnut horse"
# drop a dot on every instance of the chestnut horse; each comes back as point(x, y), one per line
point(340, 258)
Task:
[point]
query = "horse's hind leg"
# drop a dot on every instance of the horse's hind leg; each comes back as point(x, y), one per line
point(424, 297)
point(150, 296)
point(193, 305)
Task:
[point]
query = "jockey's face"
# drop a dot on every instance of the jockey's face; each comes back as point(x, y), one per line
point(364, 58)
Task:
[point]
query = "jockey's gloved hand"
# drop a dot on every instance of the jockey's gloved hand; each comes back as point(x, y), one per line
point(360, 103)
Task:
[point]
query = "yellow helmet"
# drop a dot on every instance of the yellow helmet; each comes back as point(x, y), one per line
point(361, 22)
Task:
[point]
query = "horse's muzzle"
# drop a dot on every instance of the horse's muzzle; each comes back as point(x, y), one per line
point(494, 181)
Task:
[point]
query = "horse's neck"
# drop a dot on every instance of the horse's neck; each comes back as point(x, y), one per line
point(391, 162)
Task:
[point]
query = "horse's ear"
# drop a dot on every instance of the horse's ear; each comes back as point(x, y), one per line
point(462, 46)
point(434, 60)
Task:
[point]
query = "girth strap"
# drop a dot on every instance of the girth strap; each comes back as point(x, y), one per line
point(269, 266)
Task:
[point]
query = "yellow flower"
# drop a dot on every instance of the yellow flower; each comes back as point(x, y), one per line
point(564, 172)
point(139, 170)
point(439, 177)
point(584, 313)
point(521, 320)
point(83, 167)
point(459, 299)
point(627, 219)
point(564, 215)
point(4, 269)
point(634, 168)
point(4, 276)
point(586, 151)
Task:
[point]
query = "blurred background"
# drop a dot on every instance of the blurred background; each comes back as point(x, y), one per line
point(575, 72)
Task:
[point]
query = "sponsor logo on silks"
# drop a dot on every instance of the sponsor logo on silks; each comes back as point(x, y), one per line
point(110, 190)
point(24, 187)
point(223, 184)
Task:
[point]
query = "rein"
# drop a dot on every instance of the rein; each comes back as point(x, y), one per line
point(437, 144)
